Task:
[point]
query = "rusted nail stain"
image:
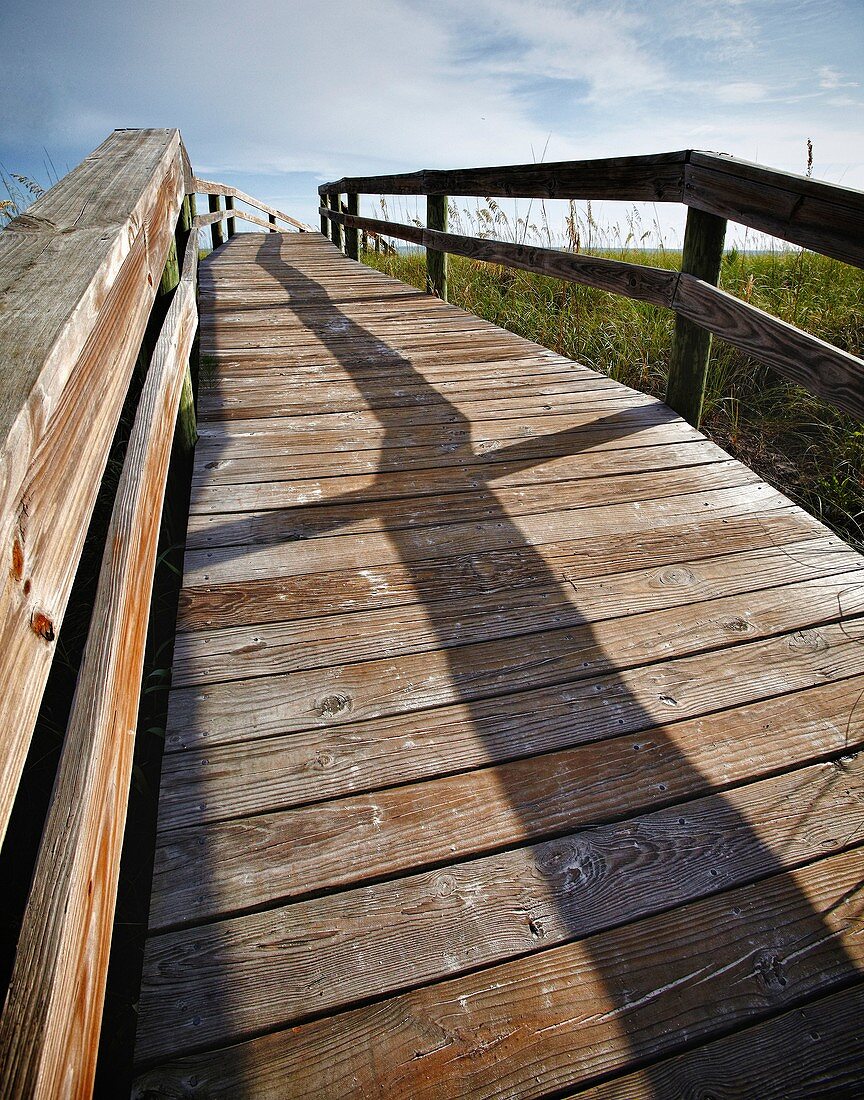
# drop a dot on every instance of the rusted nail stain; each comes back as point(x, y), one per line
point(40, 624)
point(17, 559)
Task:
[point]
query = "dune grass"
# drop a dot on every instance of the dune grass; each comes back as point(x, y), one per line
point(804, 447)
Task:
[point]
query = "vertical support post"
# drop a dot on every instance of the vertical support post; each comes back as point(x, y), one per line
point(352, 236)
point(272, 219)
point(691, 346)
point(335, 202)
point(171, 271)
point(436, 261)
point(325, 221)
point(232, 224)
point(215, 203)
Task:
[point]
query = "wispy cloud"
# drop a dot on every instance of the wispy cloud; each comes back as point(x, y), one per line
point(295, 92)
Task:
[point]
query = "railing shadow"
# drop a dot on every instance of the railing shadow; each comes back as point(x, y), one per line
point(581, 882)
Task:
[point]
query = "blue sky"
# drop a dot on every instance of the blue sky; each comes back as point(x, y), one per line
point(278, 96)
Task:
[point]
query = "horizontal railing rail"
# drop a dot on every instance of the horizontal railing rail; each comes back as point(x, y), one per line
point(820, 216)
point(83, 270)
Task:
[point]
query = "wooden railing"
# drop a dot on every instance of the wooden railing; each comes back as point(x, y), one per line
point(806, 212)
point(81, 271)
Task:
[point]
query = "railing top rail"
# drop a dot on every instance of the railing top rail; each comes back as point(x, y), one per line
point(825, 217)
point(212, 187)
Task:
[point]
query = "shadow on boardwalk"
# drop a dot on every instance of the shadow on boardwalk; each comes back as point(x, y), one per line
point(585, 877)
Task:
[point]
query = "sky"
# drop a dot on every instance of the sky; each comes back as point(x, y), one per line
point(277, 96)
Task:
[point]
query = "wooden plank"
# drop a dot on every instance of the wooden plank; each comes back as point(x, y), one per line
point(478, 572)
point(326, 762)
point(814, 1050)
point(383, 687)
point(279, 516)
point(298, 444)
point(563, 597)
point(80, 274)
point(532, 464)
point(369, 550)
point(49, 1031)
point(822, 216)
point(658, 177)
point(570, 1015)
point(488, 910)
point(524, 400)
point(832, 374)
point(294, 852)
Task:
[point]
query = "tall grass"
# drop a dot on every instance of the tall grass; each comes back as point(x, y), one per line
point(800, 444)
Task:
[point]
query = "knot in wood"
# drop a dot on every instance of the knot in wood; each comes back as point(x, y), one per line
point(334, 704)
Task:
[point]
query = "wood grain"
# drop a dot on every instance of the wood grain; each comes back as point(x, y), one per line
point(811, 1051)
point(448, 1039)
point(382, 687)
point(296, 852)
point(649, 863)
point(832, 374)
point(821, 216)
point(49, 1031)
point(658, 177)
point(81, 272)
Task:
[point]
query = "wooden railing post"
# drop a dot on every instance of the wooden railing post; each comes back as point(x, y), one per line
point(324, 200)
point(691, 346)
point(271, 218)
point(436, 262)
point(215, 202)
point(232, 224)
point(352, 235)
point(334, 201)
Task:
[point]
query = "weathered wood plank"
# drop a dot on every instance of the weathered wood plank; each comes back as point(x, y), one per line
point(814, 1050)
point(356, 756)
point(300, 851)
point(647, 284)
point(821, 216)
point(49, 1030)
point(283, 518)
point(315, 445)
point(658, 177)
point(565, 597)
point(581, 1012)
point(487, 910)
point(367, 550)
point(80, 273)
point(536, 465)
point(832, 374)
point(479, 571)
point(275, 704)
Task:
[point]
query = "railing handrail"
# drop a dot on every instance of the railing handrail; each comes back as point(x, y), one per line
point(824, 217)
point(74, 321)
point(211, 187)
point(779, 203)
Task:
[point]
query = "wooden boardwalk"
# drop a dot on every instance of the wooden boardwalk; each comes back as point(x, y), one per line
point(513, 731)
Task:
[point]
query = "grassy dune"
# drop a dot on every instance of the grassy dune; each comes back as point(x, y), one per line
point(806, 448)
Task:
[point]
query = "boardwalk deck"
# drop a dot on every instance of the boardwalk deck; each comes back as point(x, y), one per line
point(513, 737)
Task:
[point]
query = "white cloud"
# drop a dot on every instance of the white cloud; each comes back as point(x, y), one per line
point(833, 78)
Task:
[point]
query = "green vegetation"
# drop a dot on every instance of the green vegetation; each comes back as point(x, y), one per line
point(806, 448)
